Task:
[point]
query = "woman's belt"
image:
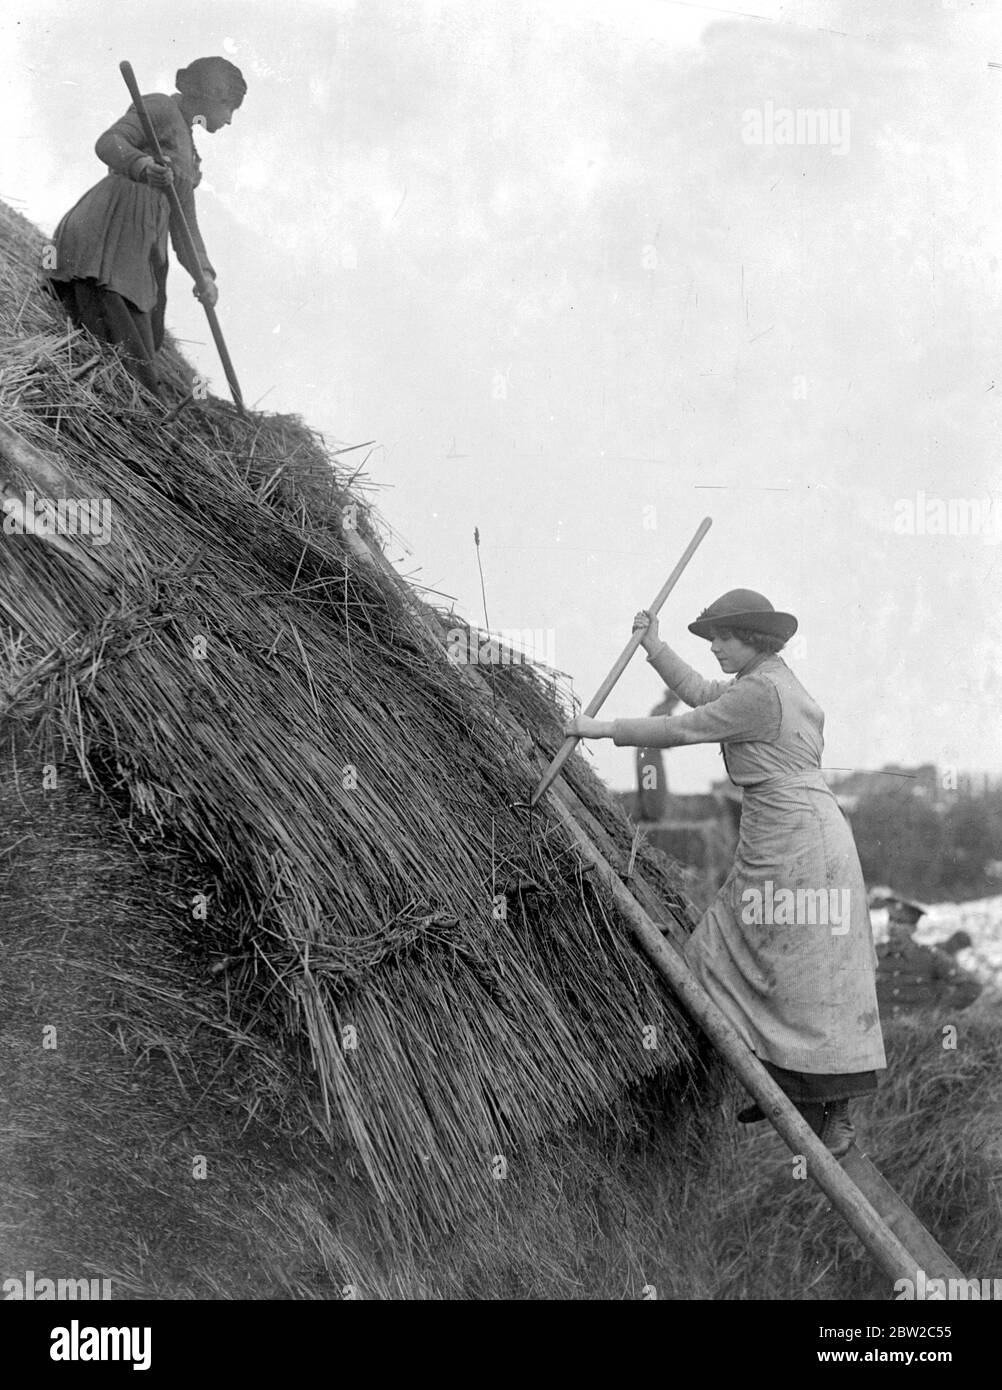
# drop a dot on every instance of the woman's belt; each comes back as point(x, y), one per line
point(807, 780)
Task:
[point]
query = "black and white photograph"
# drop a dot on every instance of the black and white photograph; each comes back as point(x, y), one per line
point(501, 668)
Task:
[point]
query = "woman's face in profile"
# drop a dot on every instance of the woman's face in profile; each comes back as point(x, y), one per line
point(731, 652)
point(214, 114)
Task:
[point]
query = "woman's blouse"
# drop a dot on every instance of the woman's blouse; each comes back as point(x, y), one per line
point(764, 719)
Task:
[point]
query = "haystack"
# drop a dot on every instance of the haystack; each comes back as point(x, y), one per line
point(258, 704)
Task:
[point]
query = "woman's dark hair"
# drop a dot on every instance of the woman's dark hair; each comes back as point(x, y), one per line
point(761, 641)
point(212, 77)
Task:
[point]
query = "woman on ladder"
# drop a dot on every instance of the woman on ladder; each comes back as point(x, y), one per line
point(111, 248)
point(785, 949)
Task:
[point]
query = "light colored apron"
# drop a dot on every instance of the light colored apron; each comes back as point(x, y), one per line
point(785, 949)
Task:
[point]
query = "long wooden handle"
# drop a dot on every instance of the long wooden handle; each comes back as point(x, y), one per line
point(855, 1208)
point(622, 661)
point(184, 232)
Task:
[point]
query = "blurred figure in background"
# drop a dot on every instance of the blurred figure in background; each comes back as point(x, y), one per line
point(959, 941)
point(913, 978)
point(652, 785)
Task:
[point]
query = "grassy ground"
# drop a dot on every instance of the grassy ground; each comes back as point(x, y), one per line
point(709, 1209)
point(102, 1135)
point(934, 1129)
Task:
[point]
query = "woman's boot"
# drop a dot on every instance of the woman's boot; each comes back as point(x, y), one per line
point(829, 1120)
point(831, 1123)
point(837, 1130)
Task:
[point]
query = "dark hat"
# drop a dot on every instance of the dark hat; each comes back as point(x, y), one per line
point(215, 78)
point(744, 608)
point(905, 905)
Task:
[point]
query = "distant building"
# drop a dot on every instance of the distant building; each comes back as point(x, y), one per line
point(938, 787)
point(922, 781)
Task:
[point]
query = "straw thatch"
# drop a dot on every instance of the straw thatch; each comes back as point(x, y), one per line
point(239, 686)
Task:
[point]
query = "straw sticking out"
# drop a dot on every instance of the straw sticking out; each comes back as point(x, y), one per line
point(237, 684)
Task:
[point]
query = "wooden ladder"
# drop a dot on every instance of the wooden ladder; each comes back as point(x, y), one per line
point(890, 1231)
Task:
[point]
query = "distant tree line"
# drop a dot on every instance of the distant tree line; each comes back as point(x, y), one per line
point(945, 852)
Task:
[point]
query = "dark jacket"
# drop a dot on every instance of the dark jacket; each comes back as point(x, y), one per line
point(117, 233)
point(911, 977)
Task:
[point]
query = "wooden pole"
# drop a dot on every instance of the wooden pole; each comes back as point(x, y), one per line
point(184, 232)
point(621, 663)
point(852, 1205)
point(822, 1166)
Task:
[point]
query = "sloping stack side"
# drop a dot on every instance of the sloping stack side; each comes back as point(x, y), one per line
point(242, 690)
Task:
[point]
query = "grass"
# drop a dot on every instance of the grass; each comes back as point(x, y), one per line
point(931, 1128)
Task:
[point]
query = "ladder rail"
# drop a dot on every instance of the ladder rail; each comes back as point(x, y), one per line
point(900, 1250)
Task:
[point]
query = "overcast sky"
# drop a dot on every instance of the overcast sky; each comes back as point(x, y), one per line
point(535, 252)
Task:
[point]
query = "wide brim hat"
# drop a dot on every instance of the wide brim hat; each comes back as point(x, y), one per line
point(744, 609)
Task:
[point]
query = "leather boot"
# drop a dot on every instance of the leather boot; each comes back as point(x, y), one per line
point(837, 1130)
point(829, 1120)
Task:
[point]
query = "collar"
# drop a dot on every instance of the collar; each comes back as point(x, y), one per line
point(177, 99)
point(754, 664)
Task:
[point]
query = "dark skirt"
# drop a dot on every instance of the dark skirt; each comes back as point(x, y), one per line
point(115, 319)
point(821, 1085)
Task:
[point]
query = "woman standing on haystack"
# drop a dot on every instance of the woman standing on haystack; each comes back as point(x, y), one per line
point(794, 970)
point(111, 248)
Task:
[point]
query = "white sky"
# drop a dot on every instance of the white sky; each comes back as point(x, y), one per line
point(418, 201)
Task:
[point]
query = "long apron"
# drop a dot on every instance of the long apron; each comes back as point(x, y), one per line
point(785, 949)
